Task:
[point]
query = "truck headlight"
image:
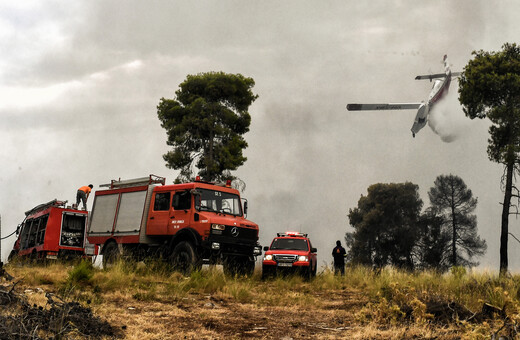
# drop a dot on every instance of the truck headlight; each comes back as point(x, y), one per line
point(268, 257)
point(303, 258)
point(218, 226)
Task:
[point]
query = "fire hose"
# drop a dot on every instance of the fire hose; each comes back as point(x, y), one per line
point(3, 238)
point(17, 229)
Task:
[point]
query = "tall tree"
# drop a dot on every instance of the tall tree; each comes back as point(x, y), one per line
point(490, 87)
point(205, 124)
point(453, 202)
point(384, 225)
point(432, 248)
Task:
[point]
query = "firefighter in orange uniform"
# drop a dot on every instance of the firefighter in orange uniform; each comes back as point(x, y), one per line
point(82, 195)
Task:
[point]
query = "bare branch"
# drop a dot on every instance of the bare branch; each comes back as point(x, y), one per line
point(514, 237)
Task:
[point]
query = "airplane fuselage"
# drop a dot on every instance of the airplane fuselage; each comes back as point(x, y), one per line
point(440, 89)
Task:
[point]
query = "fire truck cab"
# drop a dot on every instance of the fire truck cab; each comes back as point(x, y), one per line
point(51, 230)
point(185, 224)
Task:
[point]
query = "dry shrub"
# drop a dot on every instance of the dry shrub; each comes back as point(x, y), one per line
point(382, 312)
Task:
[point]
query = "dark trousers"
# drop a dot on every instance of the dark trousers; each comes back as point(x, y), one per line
point(339, 268)
point(81, 196)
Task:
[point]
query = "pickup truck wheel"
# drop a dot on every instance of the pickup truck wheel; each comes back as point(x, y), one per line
point(184, 258)
point(110, 254)
point(268, 272)
point(307, 273)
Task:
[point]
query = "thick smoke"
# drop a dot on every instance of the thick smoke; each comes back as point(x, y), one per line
point(447, 120)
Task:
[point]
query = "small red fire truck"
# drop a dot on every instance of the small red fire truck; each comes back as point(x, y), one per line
point(290, 252)
point(185, 224)
point(51, 230)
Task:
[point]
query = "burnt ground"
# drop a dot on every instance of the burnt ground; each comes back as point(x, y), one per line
point(53, 319)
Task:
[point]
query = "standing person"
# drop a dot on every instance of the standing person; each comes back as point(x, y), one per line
point(82, 195)
point(338, 253)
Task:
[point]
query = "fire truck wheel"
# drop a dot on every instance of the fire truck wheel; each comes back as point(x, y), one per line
point(238, 266)
point(184, 258)
point(110, 254)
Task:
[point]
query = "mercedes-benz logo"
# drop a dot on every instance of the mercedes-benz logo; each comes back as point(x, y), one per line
point(234, 231)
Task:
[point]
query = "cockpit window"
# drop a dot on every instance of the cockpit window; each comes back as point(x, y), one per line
point(289, 244)
point(220, 202)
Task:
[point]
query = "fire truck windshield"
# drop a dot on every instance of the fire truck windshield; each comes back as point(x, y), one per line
point(220, 202)
point(289, 244)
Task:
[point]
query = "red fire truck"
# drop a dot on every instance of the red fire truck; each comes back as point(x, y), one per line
point(185, 224)
point(51, 230)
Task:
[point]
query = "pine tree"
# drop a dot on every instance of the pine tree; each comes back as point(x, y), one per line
point(489, 87)
point(205, 124)
point(453, 202)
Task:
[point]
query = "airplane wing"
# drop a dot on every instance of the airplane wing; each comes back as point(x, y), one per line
point(431, 76)
point(390, 106)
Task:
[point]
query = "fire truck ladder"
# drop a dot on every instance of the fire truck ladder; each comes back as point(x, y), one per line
point(53, 203)
point(127, 183)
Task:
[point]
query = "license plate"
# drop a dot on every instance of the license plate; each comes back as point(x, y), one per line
point(284, 264)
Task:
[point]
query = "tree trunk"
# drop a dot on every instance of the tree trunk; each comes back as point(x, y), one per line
point(454, 227)
point(453, 237)
point(209, 158)
point(505, 218)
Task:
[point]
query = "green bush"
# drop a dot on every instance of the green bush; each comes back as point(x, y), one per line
point(81, 273)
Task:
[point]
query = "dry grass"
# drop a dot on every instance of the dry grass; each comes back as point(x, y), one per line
point(149, 302)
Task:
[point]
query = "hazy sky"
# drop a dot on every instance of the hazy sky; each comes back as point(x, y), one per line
point(80, 82)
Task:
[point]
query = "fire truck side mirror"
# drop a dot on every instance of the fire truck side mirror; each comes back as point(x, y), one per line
point(266, 248)
point(314, 250)
point(245, 207)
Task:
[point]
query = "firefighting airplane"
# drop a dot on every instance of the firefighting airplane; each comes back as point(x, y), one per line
point(439, 90)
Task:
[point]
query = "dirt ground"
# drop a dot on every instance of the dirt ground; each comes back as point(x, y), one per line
point(210, 317)
point(39, 313)
point(206, 316)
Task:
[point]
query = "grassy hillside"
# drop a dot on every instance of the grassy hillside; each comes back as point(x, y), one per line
point(149, 302)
